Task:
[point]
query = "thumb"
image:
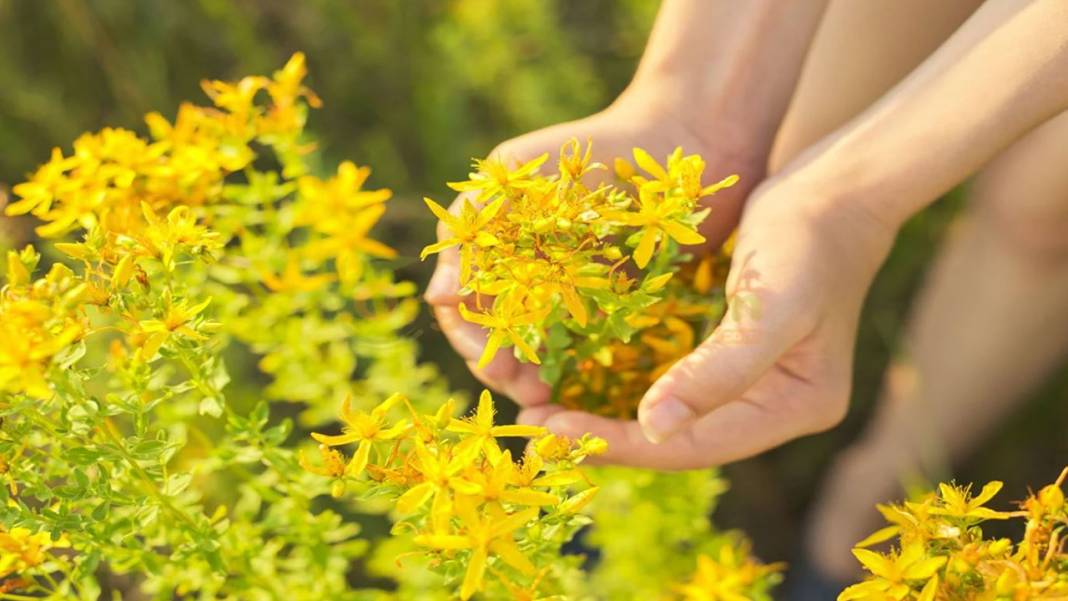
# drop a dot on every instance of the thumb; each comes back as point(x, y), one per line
point(719, 371)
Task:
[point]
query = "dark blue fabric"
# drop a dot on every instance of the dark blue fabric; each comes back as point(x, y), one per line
point(805, 583)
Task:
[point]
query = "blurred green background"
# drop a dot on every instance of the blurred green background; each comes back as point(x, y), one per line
point(415, 88)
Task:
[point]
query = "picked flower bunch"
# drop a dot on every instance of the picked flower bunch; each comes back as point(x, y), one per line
point(597, 284)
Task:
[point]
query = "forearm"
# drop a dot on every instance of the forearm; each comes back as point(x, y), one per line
point(728, 64)
point(1003, 73)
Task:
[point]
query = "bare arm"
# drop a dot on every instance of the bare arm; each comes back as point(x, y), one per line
point(716, 78)
point(1002, 74)
point(732, 64)
point(812, 239)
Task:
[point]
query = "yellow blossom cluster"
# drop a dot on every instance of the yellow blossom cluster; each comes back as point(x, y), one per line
point(148, 207)
point(207, 231)
point(21, 551)
point(112, 173)
point(147, 197)
point(612, 379)
point(580, 279)
point(732, 574)
point(941, 554)
point(474, 509)
point(39, 319)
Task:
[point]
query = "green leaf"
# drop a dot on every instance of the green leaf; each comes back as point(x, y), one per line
point(210, 405)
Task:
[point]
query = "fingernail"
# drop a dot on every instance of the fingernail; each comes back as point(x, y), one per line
point(443, 284)
point(664, 419)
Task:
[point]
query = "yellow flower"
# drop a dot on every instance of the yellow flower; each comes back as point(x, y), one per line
point(468, 230)
point(704, 274)
point(333, 462)
point(22, 550)
point(913, 521)
point(498, 482)
point(286, 89)
point(202, 146)
point(506, 315)
point(490, 532)
point(479, 432)
point(577, 502)
point(957, 504)
point(178, 317)
point(568, 278)
point(237, 98)
point(343, 214)
point(573, 163)
point(493, 177)
point(553, 447)
point(365, 427)
point(39, 194)
point(164, 238)
point(26, 350)
point(666, 202)
point(441, 476)
point(1049, 501)
point(342, 195)
point(659, 217)
point(729, 576)
point(293, 279)
point(37, 322)
point(18, 274)
point(897, 575)
point(684, 172)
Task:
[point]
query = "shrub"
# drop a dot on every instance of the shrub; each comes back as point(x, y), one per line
point(940, 551)
point(131, 462)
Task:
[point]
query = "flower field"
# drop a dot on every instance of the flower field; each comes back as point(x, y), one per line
point(219, 380)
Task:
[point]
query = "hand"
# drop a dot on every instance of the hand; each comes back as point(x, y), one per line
point(780, 364)
point(656, 125)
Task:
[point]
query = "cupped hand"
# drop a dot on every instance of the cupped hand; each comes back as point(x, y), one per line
point(657, 127)
point(779, 365)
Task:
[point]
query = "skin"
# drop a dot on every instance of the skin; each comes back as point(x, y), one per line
point(1009, 251)
point(1005, 261)
point(675, 99)
point(812, 237)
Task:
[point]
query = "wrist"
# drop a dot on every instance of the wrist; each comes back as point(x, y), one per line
point(727, 69)
point(834, 214)
point(698, 113)
point(848, 173)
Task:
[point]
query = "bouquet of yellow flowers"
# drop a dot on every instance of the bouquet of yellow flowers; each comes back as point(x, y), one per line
point(594, 284)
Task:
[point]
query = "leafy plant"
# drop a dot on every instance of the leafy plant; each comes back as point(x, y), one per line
point(942, 554)
point(117, 438)
point(129, 461)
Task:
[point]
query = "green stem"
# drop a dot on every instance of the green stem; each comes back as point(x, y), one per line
point(150, 487)
point(16, 597)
